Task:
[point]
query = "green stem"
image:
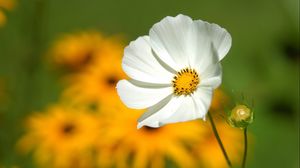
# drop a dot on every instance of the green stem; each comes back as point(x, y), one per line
point(219, 139)
point(32, 62)
point(245, 148)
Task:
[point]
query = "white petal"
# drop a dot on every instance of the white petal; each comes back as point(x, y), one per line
point(221, 40)
point(140, 64)
point(140, 97)
point(170, 39)
point(181, 42)
point(203, 98)
point(187, 111)
point(207, 57)
point(212, 33)
point(212, 76)
point(178, 109)
point(157, 113)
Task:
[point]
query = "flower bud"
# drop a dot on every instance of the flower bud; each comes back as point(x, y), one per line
point(240, 116)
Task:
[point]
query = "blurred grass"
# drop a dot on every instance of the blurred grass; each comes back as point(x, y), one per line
point(261, 62)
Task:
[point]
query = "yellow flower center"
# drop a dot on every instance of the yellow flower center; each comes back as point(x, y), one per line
point(185, 82)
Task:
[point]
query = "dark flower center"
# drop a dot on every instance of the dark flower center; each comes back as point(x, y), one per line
point(87, 59)
point(68, 128)
point(112, 80)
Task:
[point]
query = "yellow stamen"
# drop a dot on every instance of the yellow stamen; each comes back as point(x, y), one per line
point(185, 82)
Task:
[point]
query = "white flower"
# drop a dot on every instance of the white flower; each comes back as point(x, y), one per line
point(174, 70)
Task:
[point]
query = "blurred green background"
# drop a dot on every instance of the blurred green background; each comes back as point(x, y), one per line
point(263, 61)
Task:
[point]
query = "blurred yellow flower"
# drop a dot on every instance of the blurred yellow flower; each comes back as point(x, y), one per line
point(124, 145)
point(7, 5)
point(2, 18)
point(62, 137)
point(209, 151)
point(80, 50)
point(98, 82)
point(219, 101)
point(76, 51)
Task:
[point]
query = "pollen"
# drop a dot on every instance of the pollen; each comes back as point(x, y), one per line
point(185, 82)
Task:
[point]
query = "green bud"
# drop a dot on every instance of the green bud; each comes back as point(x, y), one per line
point(240, 116)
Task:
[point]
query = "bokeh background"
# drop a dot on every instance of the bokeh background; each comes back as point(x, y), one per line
point(51, 52)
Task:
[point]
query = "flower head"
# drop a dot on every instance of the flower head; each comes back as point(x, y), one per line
point(61, 137)
point(122, 145)
point(76, 51)
point(240, 116)
point(174, 70)
point(98, 81)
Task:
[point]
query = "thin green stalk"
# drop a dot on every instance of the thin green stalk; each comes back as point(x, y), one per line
point(245, 148)
point(219, 139)
point(36, 43)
